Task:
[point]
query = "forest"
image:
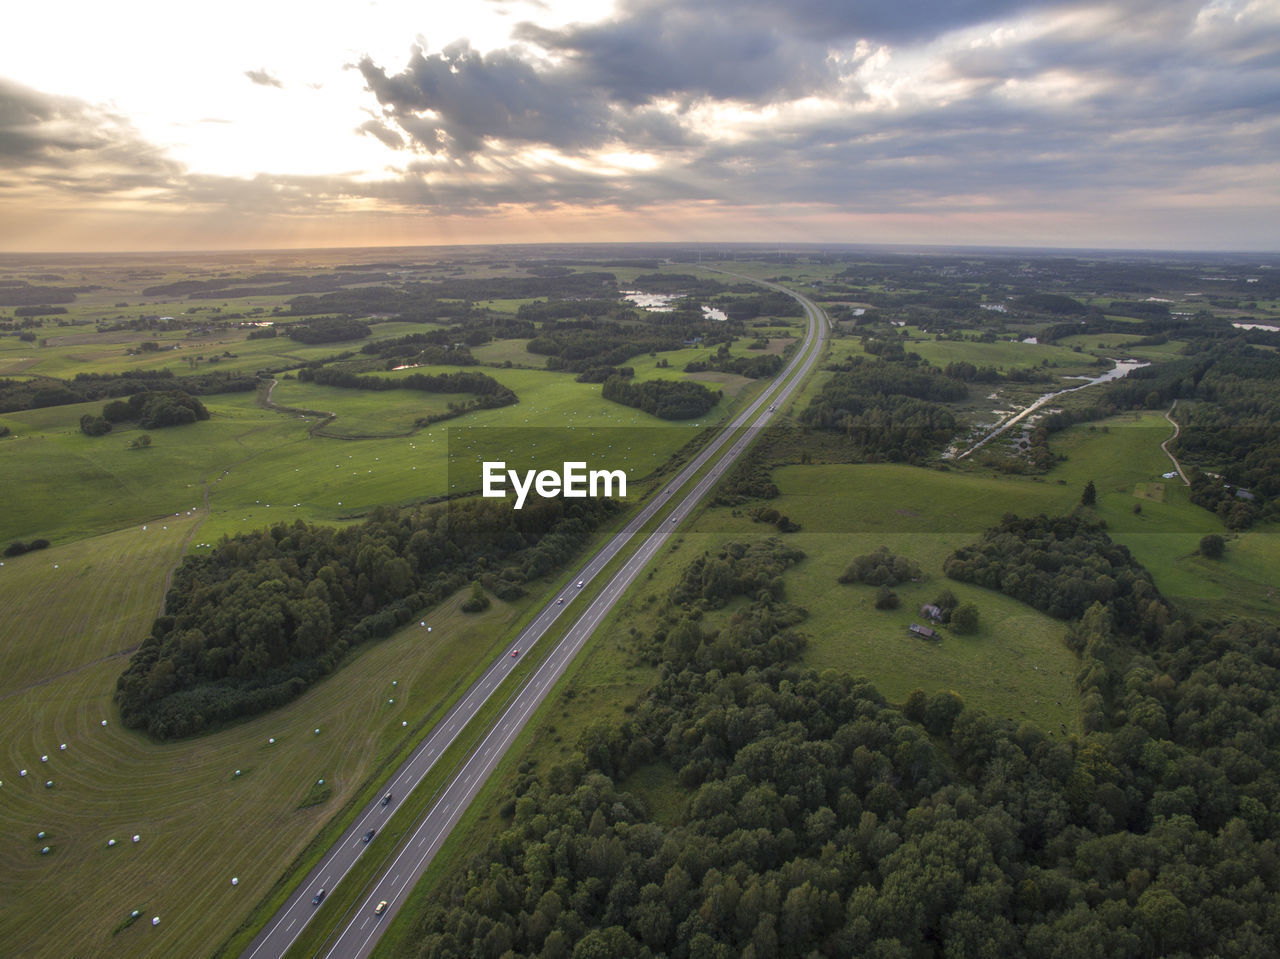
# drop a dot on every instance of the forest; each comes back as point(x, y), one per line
point(817, 819)
point(887, 408)
point(252, 624)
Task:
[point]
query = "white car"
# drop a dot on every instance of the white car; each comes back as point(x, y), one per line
point(580, 584)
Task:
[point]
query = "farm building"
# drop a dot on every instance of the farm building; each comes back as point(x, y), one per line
point(933, 612)
point(923, 632)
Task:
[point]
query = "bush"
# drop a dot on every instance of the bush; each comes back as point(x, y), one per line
point(1212, 546)
point(880, 568)
point(91, 425)
point(887, 598)
point(964, 618)
point(479, 600)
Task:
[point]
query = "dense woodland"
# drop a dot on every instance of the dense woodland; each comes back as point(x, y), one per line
point(820, 820)
point(887, 408)
point(252, 624)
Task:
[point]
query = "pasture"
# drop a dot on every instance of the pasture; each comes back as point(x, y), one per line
point(1015, 665)
point(262, 466)
point(68, 633)
point(1001, 354)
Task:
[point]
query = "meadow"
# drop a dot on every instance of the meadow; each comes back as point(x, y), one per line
point(261, 466)
point(200, 824)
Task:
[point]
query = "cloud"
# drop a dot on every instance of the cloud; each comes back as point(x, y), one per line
point(53, 141)
point(458, 98)
point(262, 78)
point(1050, 111)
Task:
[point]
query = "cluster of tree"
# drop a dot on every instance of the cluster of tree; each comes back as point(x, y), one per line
point(1062, 566)
point(490, 391)
point(759, 304)
point(261, 284)
point(579, 345)
point(598, 374)
point(1142, 309)
point(451, 297)
point(665, 399)
point(18, 547)
point(542, 311)
point(43, 392)
point(967, 372)
point(41, 310)
point(91, 425)
point(752, 367)
point(880, 568)
point(688, 285)
point(749, 479)
point(256, 621)
point(414, 303)
point(263, 333)
point(1053, 303)
point(884, 409)
point(819, 820)
point(906, 375)
point(767, 514)
point(1234, 430)
point(22, 293)
point(152, 409)
point(330, 329)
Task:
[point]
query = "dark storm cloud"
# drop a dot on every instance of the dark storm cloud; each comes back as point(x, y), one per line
point(262, 78)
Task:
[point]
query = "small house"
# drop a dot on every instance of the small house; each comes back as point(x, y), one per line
point(933, 612)
point(924, 632)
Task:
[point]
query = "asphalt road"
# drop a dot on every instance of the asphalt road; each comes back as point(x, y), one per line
point(358, 937)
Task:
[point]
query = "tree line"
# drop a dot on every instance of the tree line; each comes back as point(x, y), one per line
point(42, 392)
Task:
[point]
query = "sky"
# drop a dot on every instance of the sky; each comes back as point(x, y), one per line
point(148, 125)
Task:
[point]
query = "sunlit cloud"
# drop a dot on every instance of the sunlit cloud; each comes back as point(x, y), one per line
point(1098, 122)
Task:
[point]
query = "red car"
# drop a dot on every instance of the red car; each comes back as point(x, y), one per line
point(515, 653)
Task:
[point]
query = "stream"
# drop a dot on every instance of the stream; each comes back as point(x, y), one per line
point(1121, 369)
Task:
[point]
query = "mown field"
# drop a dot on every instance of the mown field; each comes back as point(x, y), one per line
point(68, 632)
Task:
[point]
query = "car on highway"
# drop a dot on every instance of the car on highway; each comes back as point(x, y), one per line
point(368, 835)
point(560, 601)
point(380, 908)
point(515, 652)
point(317, 898)
point(580, 583)
point(386, 800)
point(673, 519)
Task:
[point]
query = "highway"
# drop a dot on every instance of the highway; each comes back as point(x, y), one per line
point(358, 937)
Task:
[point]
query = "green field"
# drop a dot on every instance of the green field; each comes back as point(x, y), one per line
point(261, 466)
point(69, 632)
point(1016, 665)
point(1001, 354)
point(365, 414)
